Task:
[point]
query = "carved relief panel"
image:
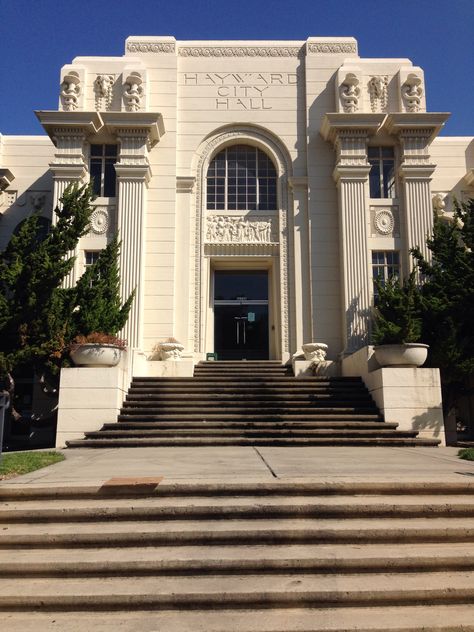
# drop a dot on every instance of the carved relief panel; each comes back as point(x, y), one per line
point(240, 229)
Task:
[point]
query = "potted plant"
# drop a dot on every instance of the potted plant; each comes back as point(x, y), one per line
point(397, 324)
point(169, 349)
point(97, 350)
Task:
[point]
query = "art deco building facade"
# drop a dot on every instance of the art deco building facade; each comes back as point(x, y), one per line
point(258, 187)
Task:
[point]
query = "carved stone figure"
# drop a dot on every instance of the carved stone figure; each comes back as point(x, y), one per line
point(350, 93)
point(70, 91)
point(378, 93)
point(412, 91)
point(103, 88)
point(133, 92)
point(221, 229)
point(315, 351)
point(439, 203)
point(37, 200)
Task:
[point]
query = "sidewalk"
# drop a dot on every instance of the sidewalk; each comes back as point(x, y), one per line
point(245, 464)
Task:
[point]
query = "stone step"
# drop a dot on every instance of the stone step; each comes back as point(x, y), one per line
point(249, 414)
point(244, 425)
point(138, 442)
point(236, 591)
point(226, 560)
point(269, 432)
point(230, 398)
point(268, 511)
point(435, 618)
point(247, 403)
point(243, 411)
point(317, 381)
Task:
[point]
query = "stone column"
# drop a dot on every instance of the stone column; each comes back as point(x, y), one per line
point(301, 262)
point(350, 133)
point(133, 174)
point(352, 185)
point(415, 133)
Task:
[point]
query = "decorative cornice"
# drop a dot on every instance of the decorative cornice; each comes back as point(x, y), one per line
point(239, 51)
point(151, 47)
point(357, 124)
point(53, 120)
point(333, 48)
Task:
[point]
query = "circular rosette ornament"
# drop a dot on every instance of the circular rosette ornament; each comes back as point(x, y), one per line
point(99, 221)
point(384, 222)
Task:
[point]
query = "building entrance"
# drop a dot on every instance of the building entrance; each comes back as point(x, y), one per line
point(241, 315)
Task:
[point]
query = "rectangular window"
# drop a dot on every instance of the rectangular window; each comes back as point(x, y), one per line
point(385, 265)
point(382, 172)
point(90, 257)
point(102, 169)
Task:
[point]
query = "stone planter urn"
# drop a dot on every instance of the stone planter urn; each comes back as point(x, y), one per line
point(92, 354)
point(411, 354)
point(170, 350)
point(315, 351)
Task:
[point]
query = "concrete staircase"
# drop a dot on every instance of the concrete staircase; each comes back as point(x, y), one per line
point(240, 557)
point(248, 403)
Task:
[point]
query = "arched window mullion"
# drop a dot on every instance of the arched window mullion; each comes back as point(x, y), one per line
point(241, 187)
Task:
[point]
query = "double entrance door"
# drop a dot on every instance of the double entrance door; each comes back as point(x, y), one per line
point(241, 315)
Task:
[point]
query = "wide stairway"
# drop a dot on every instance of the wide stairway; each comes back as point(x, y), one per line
point(251, 557)
point(248, 403)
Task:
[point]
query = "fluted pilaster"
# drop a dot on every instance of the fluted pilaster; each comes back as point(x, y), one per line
point(301, 267)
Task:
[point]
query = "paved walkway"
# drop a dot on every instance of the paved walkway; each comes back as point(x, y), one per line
point(243, 464)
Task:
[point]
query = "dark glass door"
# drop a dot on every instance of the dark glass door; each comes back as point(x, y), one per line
point(241, 315)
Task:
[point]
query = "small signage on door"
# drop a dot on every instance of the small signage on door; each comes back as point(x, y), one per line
point(251, 317)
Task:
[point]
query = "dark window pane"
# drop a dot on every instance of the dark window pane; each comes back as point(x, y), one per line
point(109, 179)
point(96, 150)
point(374, 181)
point(387, 152)
point(96, 173)
point(373, 152)
point(111, 150)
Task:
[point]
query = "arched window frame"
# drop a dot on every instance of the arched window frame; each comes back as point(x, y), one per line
point(241, 177)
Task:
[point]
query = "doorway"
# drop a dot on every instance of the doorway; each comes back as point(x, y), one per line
point(241, 315)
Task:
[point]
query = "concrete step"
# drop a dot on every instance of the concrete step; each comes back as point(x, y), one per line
point(140, 442)
point(234, 591)
point(262, 415)
point(435, 618)
point(244, 410)
point(268, 432)
point(229, 560)
point(249, 404)
point(230, 398)
point(236, 511)
point(244, 425)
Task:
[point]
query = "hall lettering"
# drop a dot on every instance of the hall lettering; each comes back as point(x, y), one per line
point(242, 104)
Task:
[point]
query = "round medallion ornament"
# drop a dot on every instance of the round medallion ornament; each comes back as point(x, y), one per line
point(99, 221)
point(384, 222)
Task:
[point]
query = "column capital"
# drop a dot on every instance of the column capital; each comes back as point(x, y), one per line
point(185, 184)
point(6, 178)
point(135, 124)
point(140, 172)
point(409, 171)
point(350, 173)
point(420, 124)
point(56, 122)
point(339, 124)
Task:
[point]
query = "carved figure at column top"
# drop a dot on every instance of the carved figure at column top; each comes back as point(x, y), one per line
point(439, 203)
point(133, 92)
point(378, 93)
point(70, 91)
point(103, 88)
point(412, 91)
point(350, 93)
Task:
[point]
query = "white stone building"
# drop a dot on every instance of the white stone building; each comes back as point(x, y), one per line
point(257, 186)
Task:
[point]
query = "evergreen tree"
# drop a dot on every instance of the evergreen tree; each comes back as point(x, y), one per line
point(447, 299)
point(35, 309)
point(98, 304)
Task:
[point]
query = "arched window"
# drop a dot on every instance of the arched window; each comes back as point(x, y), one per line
point(241, 177)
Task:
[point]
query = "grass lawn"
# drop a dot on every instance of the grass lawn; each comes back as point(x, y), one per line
point(17, 463)
point(467, 454)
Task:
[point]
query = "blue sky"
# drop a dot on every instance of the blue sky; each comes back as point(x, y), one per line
point(38, 36)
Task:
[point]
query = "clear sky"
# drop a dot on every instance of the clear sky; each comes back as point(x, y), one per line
point(37, 37)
